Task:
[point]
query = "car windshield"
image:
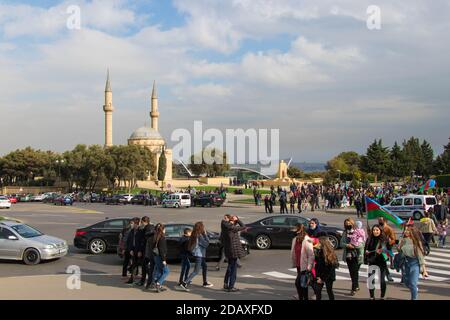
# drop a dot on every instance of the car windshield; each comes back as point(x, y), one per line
point(26, 231)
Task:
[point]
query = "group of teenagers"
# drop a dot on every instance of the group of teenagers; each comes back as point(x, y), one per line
point(144, 245)
point(316, 261)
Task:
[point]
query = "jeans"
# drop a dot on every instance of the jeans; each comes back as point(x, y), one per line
point(146, 268)
point(427, 237)
point(185, 266)
point(302, 292)
point(231, 274)
point(200, 262)
point(411, 276)
point(353, 268)
point(441, 240)
point(161, 271)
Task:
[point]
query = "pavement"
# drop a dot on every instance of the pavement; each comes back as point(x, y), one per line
point(265, 275)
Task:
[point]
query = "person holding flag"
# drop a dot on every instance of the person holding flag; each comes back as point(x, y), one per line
point(391, 239)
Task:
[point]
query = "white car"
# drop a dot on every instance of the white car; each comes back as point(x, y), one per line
point(411, 206)
point(38, 198)
point(128, 197)
point(177, 200)
point(4, 203)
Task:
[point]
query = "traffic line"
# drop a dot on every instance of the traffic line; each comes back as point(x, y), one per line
point(434, 264)
point(440, 254)
point(435, 259)
point(280, 275)
point(442, 250)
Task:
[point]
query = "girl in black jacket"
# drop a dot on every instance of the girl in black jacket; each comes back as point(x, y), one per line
point(159, 250)
point(375, 257)
point(326, 264)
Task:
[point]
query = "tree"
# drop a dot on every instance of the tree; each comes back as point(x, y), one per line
point(162, 166)
point(209, 166)
point(442, 163)
point(295, 172)
point(397, 166)
point(346, 165)
point(425, 167)
point(377, 159)
point(413, 154)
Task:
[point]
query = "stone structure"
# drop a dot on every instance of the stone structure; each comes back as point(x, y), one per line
point(148, 137)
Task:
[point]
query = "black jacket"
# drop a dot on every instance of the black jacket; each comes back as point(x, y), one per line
point(162, 247)
point(184, 246)
point(440, 212)
point(324, 271)
point(231, 239)
point(144, 234)
point(133, 240)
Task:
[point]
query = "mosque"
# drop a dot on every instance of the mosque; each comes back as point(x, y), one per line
point(148, 137)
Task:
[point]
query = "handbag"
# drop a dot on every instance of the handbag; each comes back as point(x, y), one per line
point(155, 249)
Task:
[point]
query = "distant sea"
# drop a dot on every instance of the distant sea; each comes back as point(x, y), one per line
point(309, 166)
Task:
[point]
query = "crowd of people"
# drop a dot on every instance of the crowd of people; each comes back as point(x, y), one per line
point(144, 246)
point(316, 261)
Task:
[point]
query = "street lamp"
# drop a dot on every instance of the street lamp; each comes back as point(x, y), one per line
point(339, 171)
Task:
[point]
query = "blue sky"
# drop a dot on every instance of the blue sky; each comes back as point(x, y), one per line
point(311, 69)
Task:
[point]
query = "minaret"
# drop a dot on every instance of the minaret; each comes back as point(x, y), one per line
point(154, 114)
point(108, 108)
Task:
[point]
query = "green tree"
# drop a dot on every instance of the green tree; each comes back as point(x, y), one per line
point(413, 154)
point(425, 167)
point(162, 166)
point(376, 160)
point(442, 162)
point(397, 166)
point(295, 172)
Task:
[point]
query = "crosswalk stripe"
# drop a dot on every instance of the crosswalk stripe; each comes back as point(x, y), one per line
point(342, 278)
point(436, 259)
point(440, 254)
point(440, 250)
point(434, 264)
point(279, 275)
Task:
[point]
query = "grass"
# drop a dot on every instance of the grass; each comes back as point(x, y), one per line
point(247, 201)
point(2, 218)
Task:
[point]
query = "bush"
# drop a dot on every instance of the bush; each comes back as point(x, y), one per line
point(443, 181)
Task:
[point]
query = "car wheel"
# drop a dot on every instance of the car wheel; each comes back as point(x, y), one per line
point(177, 205)
point(334, 241)
point(417, 215)
point(31, 257)
point(97, 246)
point(263, 242)
point(209, 205)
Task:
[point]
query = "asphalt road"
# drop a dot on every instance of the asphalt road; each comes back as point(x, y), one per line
point(264, 275)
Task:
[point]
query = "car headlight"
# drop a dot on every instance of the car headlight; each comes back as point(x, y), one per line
point(50, 246)
point(243, 241)
point(340, 232)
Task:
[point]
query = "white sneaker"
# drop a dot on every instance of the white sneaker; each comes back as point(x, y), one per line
point(208, 285)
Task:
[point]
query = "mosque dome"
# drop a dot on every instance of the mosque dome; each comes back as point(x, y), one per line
point(146, 133)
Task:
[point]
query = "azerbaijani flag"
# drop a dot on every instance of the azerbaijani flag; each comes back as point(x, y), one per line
point(374, 211)
point(430, 184)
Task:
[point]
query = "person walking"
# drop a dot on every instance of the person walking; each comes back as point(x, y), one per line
point(375, 256)
point(233, 249)
point(314, 228)
point(442, 232)
point(326, 264)
point(358, 206)
point(159, 248)
point(147, 231)
point(292, 204)
point(198, 243)
point(427, 227)
point(296, 250)
point(266, 204)
point(306, 267)
point(391, 240)
point(185, 253)
point(411, 248)
point(132, 251)
point(353, 253)
point(123, 236)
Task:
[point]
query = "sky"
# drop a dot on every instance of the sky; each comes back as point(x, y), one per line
point(312, 69)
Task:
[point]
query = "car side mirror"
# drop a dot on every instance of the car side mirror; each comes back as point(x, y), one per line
point(12, 238)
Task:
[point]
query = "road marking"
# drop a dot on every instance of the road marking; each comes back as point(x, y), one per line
point(434, 264)
point(440, 250)
point(279, 275)
point(435, 259)
point(247, 276)
point(439, 254)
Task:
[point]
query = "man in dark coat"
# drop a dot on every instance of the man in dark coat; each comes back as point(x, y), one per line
point(230, 227)
point(132, 247)
point(146, 231)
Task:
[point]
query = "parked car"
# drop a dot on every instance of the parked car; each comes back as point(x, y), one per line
point(238, 191)
point(177, 200)
point(100, 237)
point(277, 231)
point(63, 200)
point(128, 197)
point(50, 198)
point(208, 200)
point(12, 198)
point(5, 203)
point(144, 199)
point(19, 241)
point(38, 198)
point(116, 199)
point(25, 197)
point(411, 206)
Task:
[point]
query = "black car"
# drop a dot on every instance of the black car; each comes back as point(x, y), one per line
point(104, 236)
point(208, 200)
point(144, 199)
point(277, 231)
point(116, 199)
